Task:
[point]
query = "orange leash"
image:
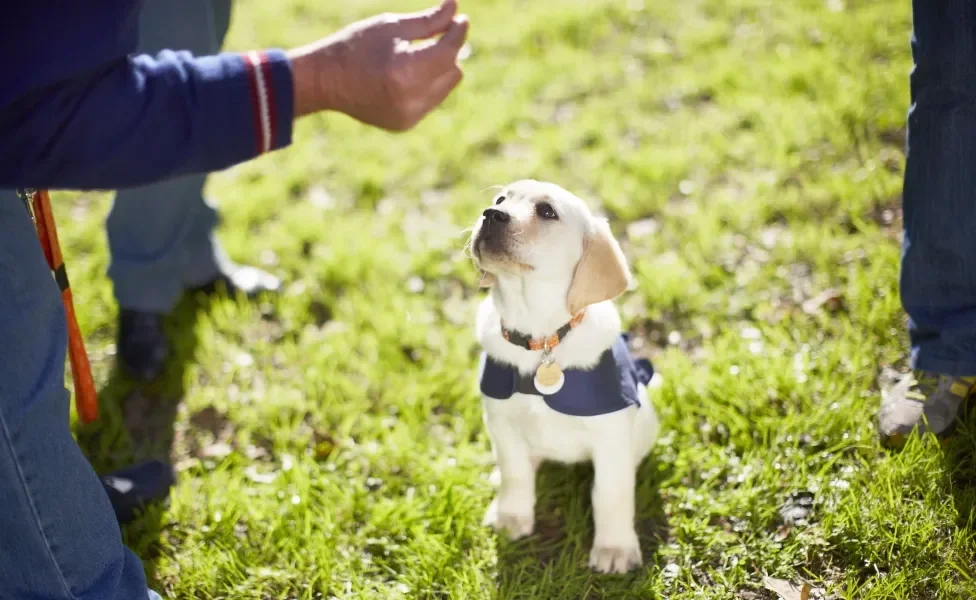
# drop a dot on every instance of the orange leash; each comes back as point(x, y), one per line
point(39, 205)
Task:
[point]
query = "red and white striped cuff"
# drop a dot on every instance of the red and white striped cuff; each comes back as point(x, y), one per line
point(263, 99)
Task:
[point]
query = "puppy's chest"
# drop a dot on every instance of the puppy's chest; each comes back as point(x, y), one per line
point(551, 435)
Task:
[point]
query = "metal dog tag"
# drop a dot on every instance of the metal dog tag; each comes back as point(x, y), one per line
point(549, 377)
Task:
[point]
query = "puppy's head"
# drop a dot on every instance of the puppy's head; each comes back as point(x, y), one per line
point(538, 230)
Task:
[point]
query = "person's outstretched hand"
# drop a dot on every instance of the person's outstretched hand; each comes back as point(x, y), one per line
point(372, 71)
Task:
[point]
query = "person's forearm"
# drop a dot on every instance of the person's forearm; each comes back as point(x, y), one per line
point(144, 119)
point(138, 120)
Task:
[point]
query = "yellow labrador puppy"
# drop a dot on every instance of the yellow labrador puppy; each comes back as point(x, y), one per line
point(557, 379)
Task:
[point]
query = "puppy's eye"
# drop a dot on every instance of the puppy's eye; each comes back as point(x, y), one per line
point(499, 200)
point(546, 211)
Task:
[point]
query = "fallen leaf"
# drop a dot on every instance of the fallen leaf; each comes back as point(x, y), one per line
point(797, 508)
point(786, 590)
point(783, 532)
point(217, 450)
point(186, 464)
point(670, 572)
point(830, 300)
point(254, 475)
point(255, 452)
point(840, 484)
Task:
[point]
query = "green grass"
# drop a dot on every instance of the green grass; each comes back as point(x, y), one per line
point(761, 145)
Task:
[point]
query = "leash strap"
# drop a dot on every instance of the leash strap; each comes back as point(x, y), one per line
point(38, 203)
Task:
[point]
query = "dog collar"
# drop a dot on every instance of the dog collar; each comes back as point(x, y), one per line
point(544, 343)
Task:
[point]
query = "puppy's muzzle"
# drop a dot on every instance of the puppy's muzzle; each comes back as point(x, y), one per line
point(491, 235)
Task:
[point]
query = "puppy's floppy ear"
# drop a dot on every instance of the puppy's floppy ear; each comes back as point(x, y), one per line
point(487, 280)
point(602, 272)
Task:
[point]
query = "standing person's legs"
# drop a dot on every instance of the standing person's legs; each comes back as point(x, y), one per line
point(58, 535)
point(938, 271)
point(161, 236)
point(153, 229)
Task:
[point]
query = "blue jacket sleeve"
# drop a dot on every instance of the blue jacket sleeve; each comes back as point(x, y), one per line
point(141, 119)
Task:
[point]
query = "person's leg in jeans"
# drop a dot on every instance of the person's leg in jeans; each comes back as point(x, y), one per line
point(58, 535)
point(938, 270)
point(161, 236)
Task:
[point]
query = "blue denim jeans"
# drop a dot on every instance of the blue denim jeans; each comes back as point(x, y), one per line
point(161, 236)
point(938, 270)
point(59, 538)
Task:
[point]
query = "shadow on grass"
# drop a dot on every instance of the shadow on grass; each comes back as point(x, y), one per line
point(959, 454)
point(138, 423)
point(960, 468)
point(554, 560)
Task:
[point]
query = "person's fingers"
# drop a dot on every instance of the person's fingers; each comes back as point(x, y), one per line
point(440, 55)
point(443, 86)
point(427, 23)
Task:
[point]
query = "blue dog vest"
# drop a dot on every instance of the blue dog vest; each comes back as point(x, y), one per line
point(610, 386)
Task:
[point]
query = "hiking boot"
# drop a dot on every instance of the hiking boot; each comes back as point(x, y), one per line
point(924, 401)
point(247, 280)
point(142, 346)
point(131, 490)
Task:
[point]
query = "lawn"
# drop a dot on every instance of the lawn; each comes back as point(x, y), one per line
point(749, 154)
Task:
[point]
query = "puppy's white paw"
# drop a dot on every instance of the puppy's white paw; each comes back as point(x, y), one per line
point(514, 523)
point(616, 556)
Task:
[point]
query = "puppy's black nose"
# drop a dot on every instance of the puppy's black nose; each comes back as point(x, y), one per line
point(493, 215)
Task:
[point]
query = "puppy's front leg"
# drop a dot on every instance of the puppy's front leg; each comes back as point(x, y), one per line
point(513, 510)
point(615, 545)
